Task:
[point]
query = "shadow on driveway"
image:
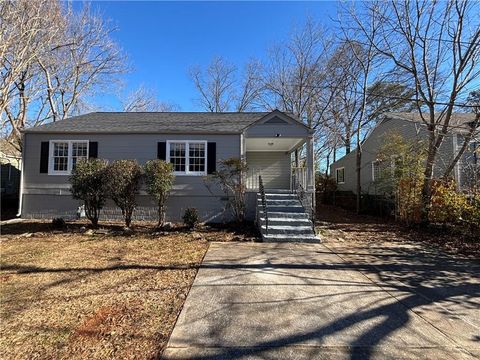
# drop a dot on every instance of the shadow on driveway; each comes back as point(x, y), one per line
point(310, 301)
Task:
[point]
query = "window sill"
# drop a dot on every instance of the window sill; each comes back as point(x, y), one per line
point(59, 173)
point(188, 174)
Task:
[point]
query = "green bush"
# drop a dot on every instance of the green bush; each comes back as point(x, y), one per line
point(88, 184)
point(190, 218)
point(159, 178)
point(123, 184)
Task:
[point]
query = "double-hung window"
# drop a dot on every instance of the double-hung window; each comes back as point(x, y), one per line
point(187, 157)
point(64, 155)
point(340, 175)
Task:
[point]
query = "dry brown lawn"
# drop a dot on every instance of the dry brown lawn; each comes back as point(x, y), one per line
point(71, 295)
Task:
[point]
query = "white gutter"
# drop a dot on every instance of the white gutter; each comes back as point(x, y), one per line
point(20, 195)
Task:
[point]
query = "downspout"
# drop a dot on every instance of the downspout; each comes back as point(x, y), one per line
point(20, 195)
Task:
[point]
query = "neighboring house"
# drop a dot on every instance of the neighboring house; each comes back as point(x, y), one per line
point(10, 160)
point(193, 142)
point(410, 126)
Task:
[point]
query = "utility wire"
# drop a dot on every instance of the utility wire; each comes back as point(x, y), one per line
point(461, 105)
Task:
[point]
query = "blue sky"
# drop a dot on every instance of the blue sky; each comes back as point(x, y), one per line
point(163, 39)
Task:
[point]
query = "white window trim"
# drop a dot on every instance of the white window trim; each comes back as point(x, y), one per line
point(336, 175)
point(187, 157)
point(374, 162)
point(51, 171)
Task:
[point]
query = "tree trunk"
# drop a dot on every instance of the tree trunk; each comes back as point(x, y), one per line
point(161, 214)
point(328, 165)
point(347, 144)
point(358, 173)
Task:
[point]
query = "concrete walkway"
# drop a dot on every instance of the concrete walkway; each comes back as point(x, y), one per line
point(310, 301)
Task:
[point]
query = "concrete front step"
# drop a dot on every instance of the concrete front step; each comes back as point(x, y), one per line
point(287, 229)
point(284, 208)
point(290, 238)
point(283, 214)
point(286, 221)
point(278, 197)
point(286, 202)
point(278, 191)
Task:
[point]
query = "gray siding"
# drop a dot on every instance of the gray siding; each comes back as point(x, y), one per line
point(409, 130)
point(274, 167)
point(50, 195)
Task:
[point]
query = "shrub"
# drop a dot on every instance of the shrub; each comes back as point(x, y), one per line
point(58, 223)
point(190, 218)
point(88, 184)
point(402, 163)
point(230, 178)
point(325, 186)
point(446, 203)
point(159, 178)
point(471, 213)
point(123, 184)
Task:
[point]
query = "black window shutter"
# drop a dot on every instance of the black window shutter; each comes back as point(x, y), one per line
point(92, 149)
point(162, 151)
point(212, 157)
point(44, 150)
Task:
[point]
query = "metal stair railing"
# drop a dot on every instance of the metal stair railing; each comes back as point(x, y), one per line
point(261, 189)
point(301, 194)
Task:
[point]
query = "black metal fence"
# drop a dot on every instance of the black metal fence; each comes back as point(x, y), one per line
point(370, 204)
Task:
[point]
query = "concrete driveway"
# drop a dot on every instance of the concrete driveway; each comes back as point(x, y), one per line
point(306, 301)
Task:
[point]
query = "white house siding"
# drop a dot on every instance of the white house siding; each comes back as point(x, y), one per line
point(47, 196)
point(371, 146)
point(274, 167)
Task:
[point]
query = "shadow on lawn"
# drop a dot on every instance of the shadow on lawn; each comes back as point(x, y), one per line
point(25, 269)
point(416, 279)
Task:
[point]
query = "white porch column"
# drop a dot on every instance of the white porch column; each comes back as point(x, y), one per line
point(310, 164)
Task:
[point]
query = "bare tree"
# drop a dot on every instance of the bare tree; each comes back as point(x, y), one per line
point(296, 74)
point(251, 87)
point(145, 99)
point(221, 88)
point(59, 57)
point(364, 65)
point(25, 29)
point(86, 59)
point(343, 67)
point(216, 85)
point(434, 47)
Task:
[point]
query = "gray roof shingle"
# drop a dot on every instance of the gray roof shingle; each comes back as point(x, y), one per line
point(153, 122)
point(456, 119)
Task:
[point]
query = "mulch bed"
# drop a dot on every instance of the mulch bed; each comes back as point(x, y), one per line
point(71, 293)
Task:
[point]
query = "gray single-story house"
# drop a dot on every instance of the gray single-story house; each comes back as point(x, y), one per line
point(411, 127)
point(194, 142)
